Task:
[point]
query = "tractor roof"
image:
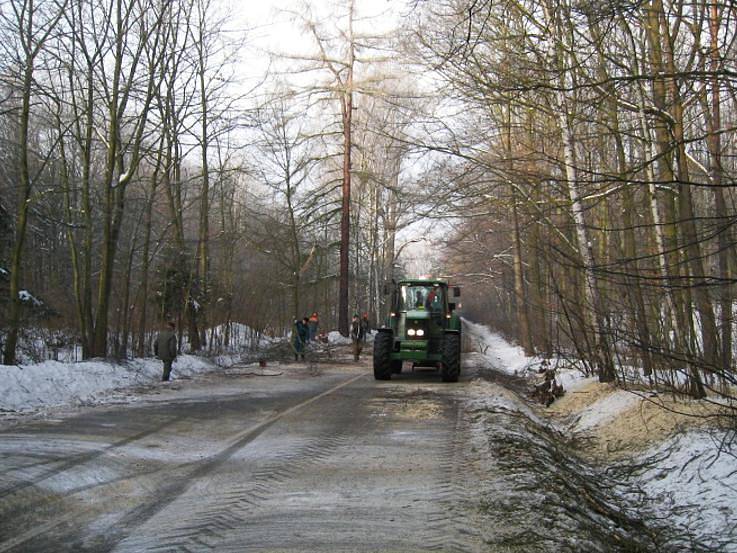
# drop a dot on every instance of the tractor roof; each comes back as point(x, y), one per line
point(423, 281)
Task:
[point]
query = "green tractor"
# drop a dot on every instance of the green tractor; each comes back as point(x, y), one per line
point(422, 327)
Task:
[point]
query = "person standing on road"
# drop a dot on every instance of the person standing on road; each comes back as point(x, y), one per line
point(357, 335)
point(300, 335)
point(366, 325)
point(165, 348)
point(305, 332)
point(313, 325)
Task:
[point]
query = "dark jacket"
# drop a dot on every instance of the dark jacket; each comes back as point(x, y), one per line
point(357, 330)
point(165, 346)
point(300, 335)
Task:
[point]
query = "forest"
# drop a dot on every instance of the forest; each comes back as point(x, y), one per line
point(570, 163)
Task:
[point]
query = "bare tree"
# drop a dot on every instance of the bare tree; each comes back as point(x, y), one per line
point(284, 162)
point(31, 24)
point(611, 166)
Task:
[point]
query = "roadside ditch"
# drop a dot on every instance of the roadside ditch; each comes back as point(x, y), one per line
point(539, 491)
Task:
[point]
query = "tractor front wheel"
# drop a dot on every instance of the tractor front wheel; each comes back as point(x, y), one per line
point(451, 365)
point(382, 355)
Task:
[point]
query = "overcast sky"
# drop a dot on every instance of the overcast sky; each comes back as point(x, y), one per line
point(271, 26)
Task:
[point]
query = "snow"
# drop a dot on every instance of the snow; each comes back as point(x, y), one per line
point(32, 387)
point(691, 484)
point(572, 379)
point(53, 384)
point(336, 338)
point(240, 337)
point(693, 473)
point(606, 409)
point(124, 177)
point(26, 296)
point(498, 353)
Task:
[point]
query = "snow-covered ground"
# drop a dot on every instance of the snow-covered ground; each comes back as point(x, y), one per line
point(39, 386)
point(337, 339)
point(689, 480)
point(498, 353)
point(695, 485)
point(605, 409)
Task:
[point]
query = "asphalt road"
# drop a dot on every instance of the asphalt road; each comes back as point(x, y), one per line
point(318, 458)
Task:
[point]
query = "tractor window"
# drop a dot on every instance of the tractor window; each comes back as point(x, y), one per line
point(429, 298)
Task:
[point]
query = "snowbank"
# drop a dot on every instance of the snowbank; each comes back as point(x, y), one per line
point(605, 409)
point(26, 297)
point(498, 353)
point(240, 337)
point(337, 339)
point(687, 480)
point(53, 384)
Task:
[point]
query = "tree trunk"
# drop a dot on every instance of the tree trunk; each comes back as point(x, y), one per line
point(593, 309)
point(690, 240)
point(633, 289)
point(345, 211)
point(724, 239)
point(202, 260)
point(522, 316)
point(142, 320)
point(21, 221)
point(122, 352)
point(664, 90)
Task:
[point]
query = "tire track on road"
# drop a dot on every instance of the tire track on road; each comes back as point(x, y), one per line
point(79, 458)
point(167, 494)
point(171, 492)
point(207, 526)
point(452, 531)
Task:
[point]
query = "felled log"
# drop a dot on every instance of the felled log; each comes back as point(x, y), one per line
point(546, 391)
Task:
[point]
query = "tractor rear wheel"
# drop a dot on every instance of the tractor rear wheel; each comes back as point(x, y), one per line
point(451, 365)
point(382, 355)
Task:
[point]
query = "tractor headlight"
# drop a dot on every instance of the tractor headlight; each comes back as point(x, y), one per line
point(420, 332)
point(411, 332)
